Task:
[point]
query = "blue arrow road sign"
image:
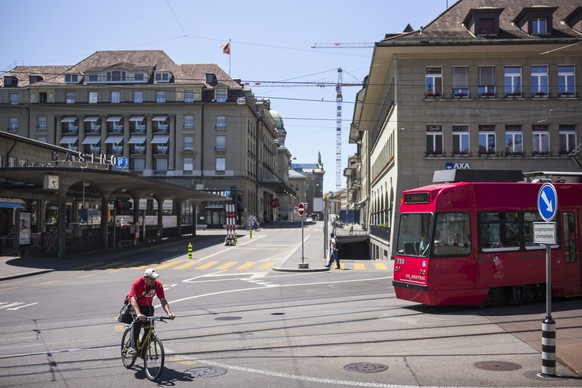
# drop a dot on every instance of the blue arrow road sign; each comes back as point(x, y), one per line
point(547, 202)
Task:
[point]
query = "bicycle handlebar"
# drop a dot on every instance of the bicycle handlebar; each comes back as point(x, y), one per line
point(153, 318)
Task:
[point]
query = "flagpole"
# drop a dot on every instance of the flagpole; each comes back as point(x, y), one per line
point(229, 55)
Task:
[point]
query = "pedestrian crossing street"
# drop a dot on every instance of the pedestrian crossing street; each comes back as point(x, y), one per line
point(215, 265)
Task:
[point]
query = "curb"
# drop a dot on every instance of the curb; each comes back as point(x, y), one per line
point(319, 269)
point(25, 274)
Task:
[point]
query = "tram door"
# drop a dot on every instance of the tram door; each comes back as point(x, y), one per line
point(572, 254)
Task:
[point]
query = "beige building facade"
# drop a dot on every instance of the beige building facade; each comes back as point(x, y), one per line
point(486, 85)
point(189, 125)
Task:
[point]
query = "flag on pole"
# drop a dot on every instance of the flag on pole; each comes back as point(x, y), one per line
point(226, 48)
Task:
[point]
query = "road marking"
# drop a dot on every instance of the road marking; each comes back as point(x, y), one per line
point(380, 266)
point(19, 307)
point(267, 265)
point(246, 265)
point(167, 264)
point(207, 265)
point(227, 265)
point(51, 282)
point(86, 276)
point(9, 305)
point(359, 266)
point(187, 264)
point(7, 288)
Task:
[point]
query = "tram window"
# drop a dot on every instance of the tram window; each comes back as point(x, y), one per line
point(499, 231)
point(413, 234)
point(528, 230)
point(452, 236)
point(569, 222)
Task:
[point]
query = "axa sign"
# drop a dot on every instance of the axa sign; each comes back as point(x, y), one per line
point(458, 166)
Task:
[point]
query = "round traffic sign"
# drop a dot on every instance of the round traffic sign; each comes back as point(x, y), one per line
point(547, 202)
point(301, 209)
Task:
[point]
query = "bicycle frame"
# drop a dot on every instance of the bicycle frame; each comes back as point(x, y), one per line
point(150, 348)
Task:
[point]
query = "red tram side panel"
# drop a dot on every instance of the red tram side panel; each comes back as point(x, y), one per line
point(470, 243)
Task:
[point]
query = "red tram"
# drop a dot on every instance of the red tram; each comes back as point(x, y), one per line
point(471, 242)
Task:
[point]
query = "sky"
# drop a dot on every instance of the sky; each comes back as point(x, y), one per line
point(271, 42)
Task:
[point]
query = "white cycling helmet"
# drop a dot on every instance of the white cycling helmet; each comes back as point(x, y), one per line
point(151, 273)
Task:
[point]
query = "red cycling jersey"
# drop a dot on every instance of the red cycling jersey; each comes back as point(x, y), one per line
point(138, 289)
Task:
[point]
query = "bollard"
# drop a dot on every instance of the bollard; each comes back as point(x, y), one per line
point(549, 347)
point(189, 250)
point(251, 232)
point(235, 238)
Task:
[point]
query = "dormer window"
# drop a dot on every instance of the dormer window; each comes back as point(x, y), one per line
point(483, 21)
point(71, 78)
point(485, 27)
point(539, 26)
point(163, 77)
point(116, 76)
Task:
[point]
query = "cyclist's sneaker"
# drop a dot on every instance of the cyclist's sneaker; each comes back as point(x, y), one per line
point(131, 350)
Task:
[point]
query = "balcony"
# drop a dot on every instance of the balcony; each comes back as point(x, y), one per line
point(139, 150)
point(68, 129)
point(161, 150)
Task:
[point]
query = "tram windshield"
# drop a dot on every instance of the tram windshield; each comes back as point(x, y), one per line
point(414, 233)
point(449, 235)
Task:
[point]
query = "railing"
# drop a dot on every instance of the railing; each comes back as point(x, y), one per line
point(381, 232)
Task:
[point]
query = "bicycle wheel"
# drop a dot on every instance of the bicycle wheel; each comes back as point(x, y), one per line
point(153, 360)
point(127, 359)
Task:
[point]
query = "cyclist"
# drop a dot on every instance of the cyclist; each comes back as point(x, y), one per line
point(141, 296)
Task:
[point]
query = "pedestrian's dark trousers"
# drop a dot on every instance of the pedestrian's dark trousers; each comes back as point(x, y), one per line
point(145, 310)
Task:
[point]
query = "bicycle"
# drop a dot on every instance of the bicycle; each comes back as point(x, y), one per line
point(150, 348)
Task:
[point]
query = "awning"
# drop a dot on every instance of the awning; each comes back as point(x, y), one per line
point(92, 140)
point(69, 119)
point(91, 119)
point(114, 139)
point(11, 205)
point(69, 140)
point(160, 118)
point(137, 139)
point(113, 119)
point(160, 139)
point(137, 118)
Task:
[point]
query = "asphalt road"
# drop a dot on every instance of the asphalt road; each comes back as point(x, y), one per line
point(241, 324)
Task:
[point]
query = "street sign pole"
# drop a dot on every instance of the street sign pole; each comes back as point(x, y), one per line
point(301, 211)
point(548, 207)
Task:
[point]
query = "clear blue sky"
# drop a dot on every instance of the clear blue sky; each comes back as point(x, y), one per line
point(271, 41)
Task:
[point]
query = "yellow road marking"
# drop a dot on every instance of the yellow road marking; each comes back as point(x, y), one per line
point(247, 265)
point(87, 266)
point(380, 266)
point(167, 264)
point(188, 264)
point(51, 282)
point(86, 276)
point(359, 266)
point(268, 265)
point(207, 265)
point(109, 265)
point(227, 265)
point(7, 288)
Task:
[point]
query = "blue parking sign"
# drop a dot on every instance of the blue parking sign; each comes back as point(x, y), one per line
point(547, 202)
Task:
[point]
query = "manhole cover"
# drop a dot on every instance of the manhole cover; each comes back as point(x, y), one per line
point(205, 371)
point(497, 365)
point(227, 318)
point(366, 367)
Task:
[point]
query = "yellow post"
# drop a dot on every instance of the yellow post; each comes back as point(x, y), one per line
point(235, 238)
point(189, 250)
point(251, 233)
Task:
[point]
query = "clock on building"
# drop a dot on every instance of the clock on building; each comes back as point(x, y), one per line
point(51, 182)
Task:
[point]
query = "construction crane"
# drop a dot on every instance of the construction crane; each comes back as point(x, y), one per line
point(343, 45)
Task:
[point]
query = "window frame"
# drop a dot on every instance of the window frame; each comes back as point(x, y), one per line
point(435, 133)
point(539, 81)
point(433, 82)
point(512, 88)
point(461, 137)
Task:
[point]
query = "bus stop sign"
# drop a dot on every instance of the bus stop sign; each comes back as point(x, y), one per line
point(547, 202)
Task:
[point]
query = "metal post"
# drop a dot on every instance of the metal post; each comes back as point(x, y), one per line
point(548, 325)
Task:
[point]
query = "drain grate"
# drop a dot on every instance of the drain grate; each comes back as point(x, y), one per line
point(205, 371)
point(366, 367)
point(497, 365)
point(227, 318)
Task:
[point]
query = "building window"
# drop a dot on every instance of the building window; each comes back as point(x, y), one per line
point(14, 99)
point(42, 97)
point(568, 139)
point(188, 96)
point(540, 140)
point(487, 140)
point(220, 143)
point(138, 97)
point(539, 81)
point(513, 140)
point(460, 82)
point(42, 122)
point(188, 142)
point(434, 139)
point(512, 79)
point(433, 82)
point(161, 165)
point(160, 96)
point(189, 122)
point(220, 165)
point(486, 27)
point(188, 165)
point(539, 26)
point(70, 97)
point(566, 81)
point(220, 123)
point(115, 97)
point(93, 97)
point(460, 140)
point(71, 78)
point(221, 95)
point(13, 124)
point(116, 76)
point(162, 77)
point(137, 164)
point(486, 81)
